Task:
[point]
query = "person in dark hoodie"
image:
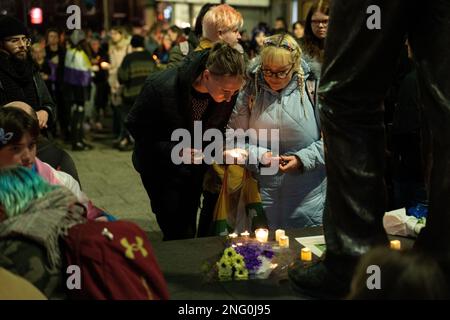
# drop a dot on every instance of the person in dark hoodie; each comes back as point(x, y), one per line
point(203, 88)
point(19, 80)
point(55, 55)
point(135, 68)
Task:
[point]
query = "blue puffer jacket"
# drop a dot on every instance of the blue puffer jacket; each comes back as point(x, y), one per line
point(292, 200)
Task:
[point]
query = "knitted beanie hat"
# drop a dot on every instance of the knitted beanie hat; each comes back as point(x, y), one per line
point(10, 26)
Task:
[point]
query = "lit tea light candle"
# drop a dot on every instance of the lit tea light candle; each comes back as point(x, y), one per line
point(239, 244)
point(284, 242)
point(104, 65)
point(278, 234)
point(245, 234)
point(234, 154)
point(306, 254)
point(262, 235)
point(396, 245)
point(232, 235)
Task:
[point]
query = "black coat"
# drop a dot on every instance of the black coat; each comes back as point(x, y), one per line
point(25, 86)
point(163, 106)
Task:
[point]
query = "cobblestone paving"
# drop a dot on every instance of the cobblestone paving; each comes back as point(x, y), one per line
point(108, 178)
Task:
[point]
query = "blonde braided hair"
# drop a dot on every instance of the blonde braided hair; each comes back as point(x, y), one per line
point(285, 42)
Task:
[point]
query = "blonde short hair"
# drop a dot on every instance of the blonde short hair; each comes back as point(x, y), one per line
point(220, 18)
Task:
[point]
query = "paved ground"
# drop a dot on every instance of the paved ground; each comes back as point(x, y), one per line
point(108, 178)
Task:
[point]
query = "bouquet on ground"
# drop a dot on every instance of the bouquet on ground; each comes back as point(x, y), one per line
point(243, 261)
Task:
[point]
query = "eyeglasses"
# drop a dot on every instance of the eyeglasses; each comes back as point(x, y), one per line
point(16, 40)
point(281, 43)
point(324, 22)
point(279, 75)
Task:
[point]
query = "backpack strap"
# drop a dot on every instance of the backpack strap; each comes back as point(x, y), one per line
point(312, 86)
point(311, 89)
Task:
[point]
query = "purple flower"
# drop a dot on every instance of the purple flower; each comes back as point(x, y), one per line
point(251, 252)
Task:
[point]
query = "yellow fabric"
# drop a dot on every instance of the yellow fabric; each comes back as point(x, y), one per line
point(250, 189)
point(221, 210)
point(204, 44)
point(212, 181)
point(239, 199)
point(13, 287)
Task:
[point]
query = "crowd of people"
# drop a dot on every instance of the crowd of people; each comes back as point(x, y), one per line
point(86, 65)
point(154, 82)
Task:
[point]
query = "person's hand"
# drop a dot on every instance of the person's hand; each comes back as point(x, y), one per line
point(235, 156)
point(95, 68)
point(269, 160)
point(44, 76)
point(191, 156)
point(42, 118)
point(290, 164)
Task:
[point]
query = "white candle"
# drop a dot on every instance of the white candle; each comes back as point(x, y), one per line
point(278, 234)
point(245, 234)
point(306, 254)
point(262, 235)
point(235, 154)
point(232, 235)
point(198, 156)
point(284, 242)
point(396, 245)
point(104, 65)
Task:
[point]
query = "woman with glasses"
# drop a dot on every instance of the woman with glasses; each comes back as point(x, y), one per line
point(316, 26)
point(276, 97)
